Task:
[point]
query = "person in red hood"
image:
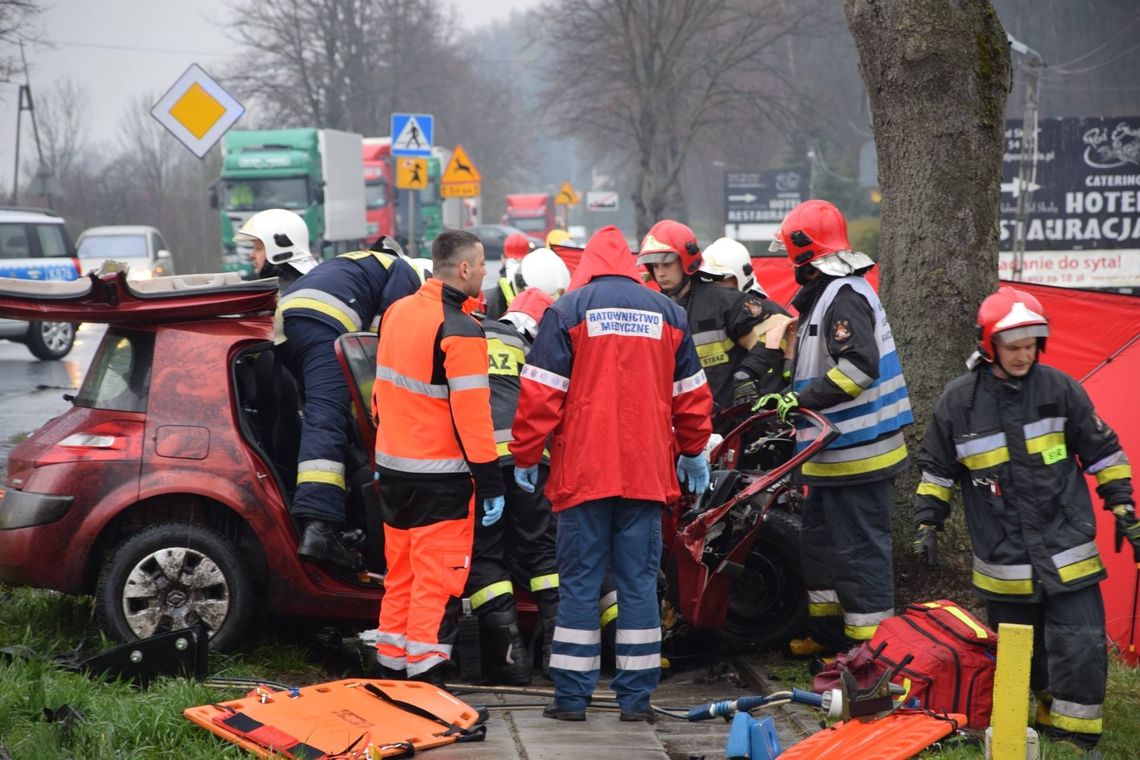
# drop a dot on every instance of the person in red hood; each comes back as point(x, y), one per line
point(614, 382)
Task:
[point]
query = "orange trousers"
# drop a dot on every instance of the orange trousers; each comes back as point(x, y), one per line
point(427, 571)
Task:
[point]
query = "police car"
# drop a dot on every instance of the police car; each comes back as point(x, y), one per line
point(34, 245)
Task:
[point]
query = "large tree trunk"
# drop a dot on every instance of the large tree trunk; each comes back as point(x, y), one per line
point(937, 73)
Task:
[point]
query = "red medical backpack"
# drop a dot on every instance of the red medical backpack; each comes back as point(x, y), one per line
point(952, 669)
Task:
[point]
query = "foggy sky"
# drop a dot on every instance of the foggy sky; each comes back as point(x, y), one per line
point(118, 49)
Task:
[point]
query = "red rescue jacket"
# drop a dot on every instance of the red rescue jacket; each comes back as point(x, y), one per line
point(614, 381)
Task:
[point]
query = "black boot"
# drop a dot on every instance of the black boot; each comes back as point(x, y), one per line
point(547, 601)
point(321, 541)
point(504, 655)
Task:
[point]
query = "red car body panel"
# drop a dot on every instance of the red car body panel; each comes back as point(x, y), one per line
point(192, 452)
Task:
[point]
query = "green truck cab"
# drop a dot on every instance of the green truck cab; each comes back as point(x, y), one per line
point(313, 172)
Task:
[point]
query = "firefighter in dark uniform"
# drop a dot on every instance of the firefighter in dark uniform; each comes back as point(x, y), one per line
point(845, 367)
point(1017, 436)
point(740, 338)
point(345, 294)
point(521, 546)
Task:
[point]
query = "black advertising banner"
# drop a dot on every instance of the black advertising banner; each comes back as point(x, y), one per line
point(1082, 225)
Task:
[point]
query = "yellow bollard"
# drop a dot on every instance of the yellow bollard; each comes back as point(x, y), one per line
point(1011, 691)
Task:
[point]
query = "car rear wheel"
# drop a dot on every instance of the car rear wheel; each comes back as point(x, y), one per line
point(767, 605)
point(50, 340)
point(172, 576)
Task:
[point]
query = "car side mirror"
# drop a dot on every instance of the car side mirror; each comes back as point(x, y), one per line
point(319, 195)
point(162, 254)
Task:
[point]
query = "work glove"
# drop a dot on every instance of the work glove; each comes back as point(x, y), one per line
point(1127, 527)
point(743, 388)
point(695, 471)
point(926, 544)
point(526, 478)
point(493, 510)
point(783, 403)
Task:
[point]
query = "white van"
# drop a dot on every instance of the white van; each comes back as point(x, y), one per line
point(141, 248)
point(34, 245)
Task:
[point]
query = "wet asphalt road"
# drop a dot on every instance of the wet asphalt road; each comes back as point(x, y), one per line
point(31, 391)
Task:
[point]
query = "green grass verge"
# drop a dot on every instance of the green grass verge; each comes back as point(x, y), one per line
point(123, 722)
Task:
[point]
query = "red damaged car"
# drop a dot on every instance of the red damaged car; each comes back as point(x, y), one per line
point(163, 491)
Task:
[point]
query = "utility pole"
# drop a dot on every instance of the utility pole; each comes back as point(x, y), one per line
point(1027, 164)
point(25, 104)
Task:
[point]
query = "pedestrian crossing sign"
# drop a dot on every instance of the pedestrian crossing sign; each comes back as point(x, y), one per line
point(412, 134)
point(411, 173)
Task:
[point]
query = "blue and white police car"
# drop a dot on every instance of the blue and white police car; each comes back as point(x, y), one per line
point(34, 245)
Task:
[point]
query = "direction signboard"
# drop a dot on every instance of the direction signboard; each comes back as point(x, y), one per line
point(567, 195)
point(411, 173)
point(755, 202)
point(603, 200)
point(412, 134)
point(197, 110)
point(461, 178)
point(1082, 226)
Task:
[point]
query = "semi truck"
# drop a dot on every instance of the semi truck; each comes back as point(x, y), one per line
point(313, 172)
point(379, 187)
point(533, 213)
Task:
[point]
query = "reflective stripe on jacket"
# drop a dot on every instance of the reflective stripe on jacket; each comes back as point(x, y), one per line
point(349, 293)
point(431, 396)
point(874, 405)
point(1017, 449)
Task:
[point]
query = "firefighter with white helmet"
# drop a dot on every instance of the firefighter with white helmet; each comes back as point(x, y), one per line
point(730, 263)
point(1018, 437)
point(280, 240)
point(318, 304)
point(544, 269)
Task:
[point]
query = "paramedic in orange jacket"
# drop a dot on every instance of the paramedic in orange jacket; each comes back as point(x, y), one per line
point(436, 457)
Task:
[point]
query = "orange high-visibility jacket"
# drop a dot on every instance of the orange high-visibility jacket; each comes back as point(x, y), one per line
point(431, 399)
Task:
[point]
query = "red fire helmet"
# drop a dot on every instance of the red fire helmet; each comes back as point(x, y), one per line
point(1014, 315)
point(667, 239)
point(810, 231)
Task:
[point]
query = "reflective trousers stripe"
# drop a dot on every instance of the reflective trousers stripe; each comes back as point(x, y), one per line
point(823, 603)
point(544, 582)
point(324, 471)
point(636, 661)
point(578, 664)
point(1073, 716)
point(489, 592)
point(424, 663)
point(608, 615)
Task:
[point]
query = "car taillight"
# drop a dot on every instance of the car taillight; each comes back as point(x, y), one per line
point(109, 441)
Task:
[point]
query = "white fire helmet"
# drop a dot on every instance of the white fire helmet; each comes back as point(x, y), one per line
point(284, 235)
point(544, 269)
point(725, 257)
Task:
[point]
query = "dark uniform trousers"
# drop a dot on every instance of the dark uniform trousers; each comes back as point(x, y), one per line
point(845, 545)
point(310, 355)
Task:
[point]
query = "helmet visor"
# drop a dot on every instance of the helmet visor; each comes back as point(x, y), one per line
point(1021, 333)
point(657, 257)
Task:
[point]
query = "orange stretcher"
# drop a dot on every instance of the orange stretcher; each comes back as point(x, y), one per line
point(900, 735)
point(356, 719)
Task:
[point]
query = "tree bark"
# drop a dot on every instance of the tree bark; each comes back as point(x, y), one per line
point(937, 73)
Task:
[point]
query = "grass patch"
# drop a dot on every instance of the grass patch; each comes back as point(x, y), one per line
point(119, 720)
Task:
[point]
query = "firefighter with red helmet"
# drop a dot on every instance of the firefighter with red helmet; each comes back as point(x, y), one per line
point(521, 545)
point(516, 246)
point(740, 338)
point(845, 367)
point(1018, 437)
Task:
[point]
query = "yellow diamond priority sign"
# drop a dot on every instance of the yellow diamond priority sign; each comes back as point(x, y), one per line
point(197, 110)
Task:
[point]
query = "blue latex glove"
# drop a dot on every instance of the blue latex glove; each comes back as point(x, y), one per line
point(783, 403)
point(695, 471)
point(527, 478)
point(493, 510)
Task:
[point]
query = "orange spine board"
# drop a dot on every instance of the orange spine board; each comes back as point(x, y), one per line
point(897, 736)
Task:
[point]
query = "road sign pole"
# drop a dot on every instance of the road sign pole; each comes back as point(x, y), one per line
point(412, 223)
